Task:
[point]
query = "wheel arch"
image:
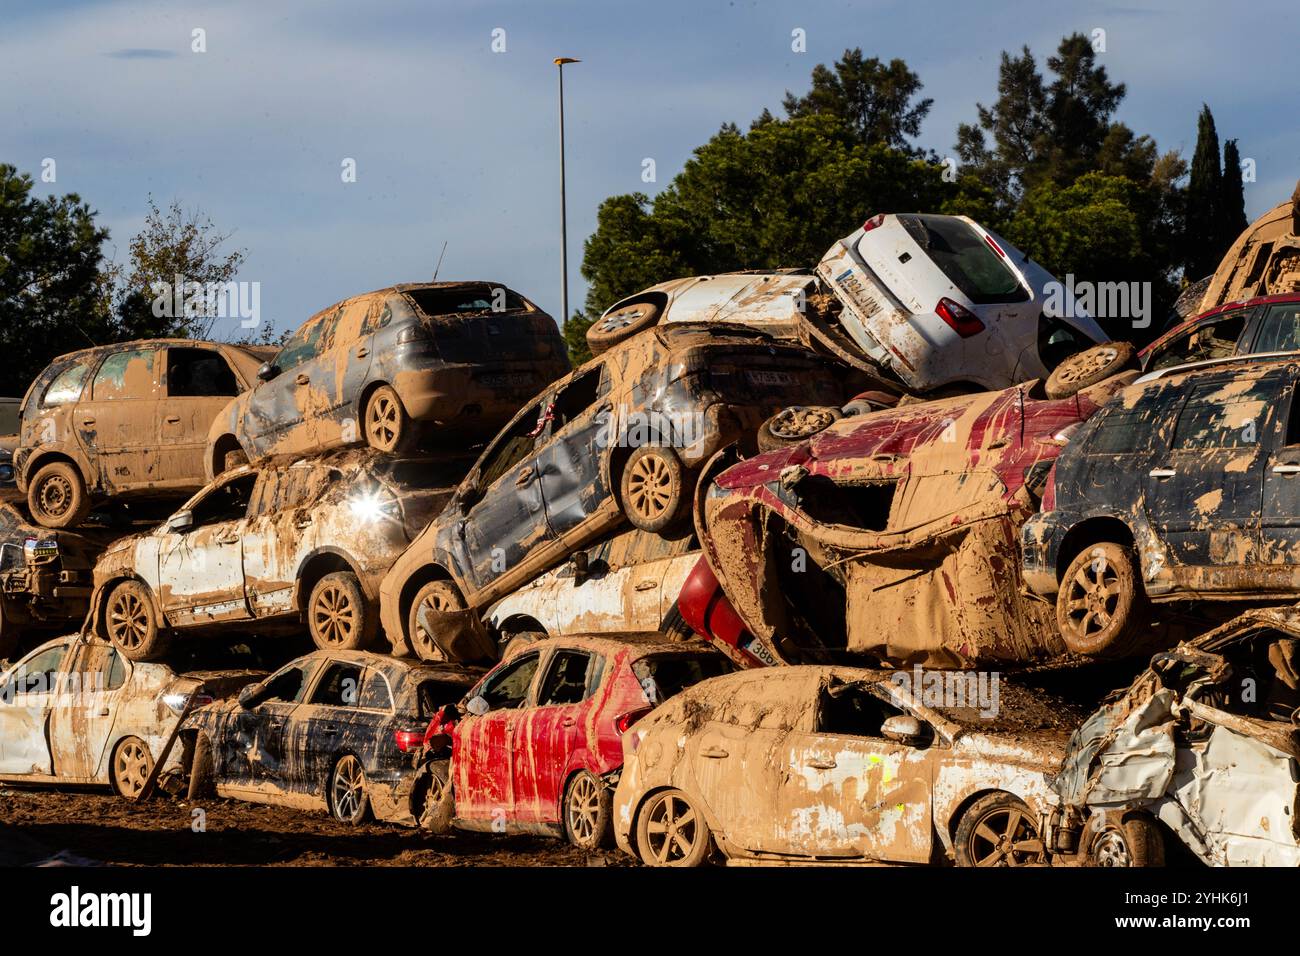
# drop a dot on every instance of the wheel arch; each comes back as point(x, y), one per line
point(99, 602)
point(219, 448)
point(425, 574)
point(318, 563)
point(50, 454)
point(1090, 531)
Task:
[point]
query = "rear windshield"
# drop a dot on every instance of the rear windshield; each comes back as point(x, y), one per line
point(463, 301)
point(965, 258)
point(433, 694)
point(430, 474)
point(664, 675)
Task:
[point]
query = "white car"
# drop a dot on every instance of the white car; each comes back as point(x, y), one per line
point(75, 711)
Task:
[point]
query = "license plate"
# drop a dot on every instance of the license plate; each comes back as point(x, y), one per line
point(507, 379)
point(769, 378)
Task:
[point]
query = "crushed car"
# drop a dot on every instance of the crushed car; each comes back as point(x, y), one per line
point(124, 421)
point(1264, 260)
point(536, 746)
point(75, 711)
point(1263, 326)
point(833, 765)
point(383, 367)
point(619, 440)
point(335, 730)
point(891, 536)
point(281, 546)
point(1199, 752)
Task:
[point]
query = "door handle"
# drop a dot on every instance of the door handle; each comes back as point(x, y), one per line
point(646, 585)
point(363, 352)
point(172, 419)
point(713, 752)
point(568, 722)
point(104, 712)
point(87, 421)
point(1161, 473)
point(822, 764)
point(523, 478)
point(330, 729)
point(226, 540)
point(302, 521)
point(1286, 469)
point(302, 379)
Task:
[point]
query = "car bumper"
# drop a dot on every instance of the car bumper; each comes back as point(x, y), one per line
point(1040, 541)
point(472, 397)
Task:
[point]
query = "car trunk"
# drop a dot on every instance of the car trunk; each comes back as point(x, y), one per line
point(766, 377)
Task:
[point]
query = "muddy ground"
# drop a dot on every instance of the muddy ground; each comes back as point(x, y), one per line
point(96, 826)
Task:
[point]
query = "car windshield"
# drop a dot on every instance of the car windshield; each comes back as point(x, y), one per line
point(663, 675)
point(462, 300)
point(965, 258)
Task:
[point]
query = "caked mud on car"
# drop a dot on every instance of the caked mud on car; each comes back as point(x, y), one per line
point(1264, 260)
point(621, 439)
point(124, 421)
point(1264, 326)
point(380, 368)
point(284, 546)
point(891, 536)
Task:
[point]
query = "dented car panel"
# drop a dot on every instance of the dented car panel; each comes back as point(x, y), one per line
point(1264, 260)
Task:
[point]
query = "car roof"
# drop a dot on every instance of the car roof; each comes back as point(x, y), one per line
point(140, 343)
point(641, 642)
point(1205, 316)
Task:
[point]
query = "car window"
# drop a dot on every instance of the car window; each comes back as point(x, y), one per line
point(1213, 340)
point(511, 447)
point(965, 258)
point(226, 502)
point(434, 694)
point(566, 679)
point(852, 710)
point(663, 675)
point(460, 300)
point(100, 668)
point(579, 395)
point(340, 686)
point(375, 693)
point(1280, 329)
point(1224, 414)
point(66, 386)
point(9, 418)
point(288, 684)
point(315, 336)
point(509, 687)
point(379, 317)
point(199, 372)
point(37, 675)
point(122, 375)
point(1119, 430)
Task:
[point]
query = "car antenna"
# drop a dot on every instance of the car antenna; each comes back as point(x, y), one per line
point(439, 265)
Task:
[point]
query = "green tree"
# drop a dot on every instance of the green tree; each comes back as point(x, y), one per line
point(874, 99)
point(1204, 235)
point(51, 294)
point(1232, 200)
point(575, 338)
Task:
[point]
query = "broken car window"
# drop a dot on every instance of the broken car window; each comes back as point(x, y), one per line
point(227, 502)
point(853, 710)
point(340, 687)
point(509, 688)
point(1217, 339)
point(578, 396)
point(460, 301)
point(435, 694)
point(1225, 414)
point(566, 679)
point(199, 372)
point(127, 374)
point(67, 385)
point(287, 686)
point(664, 675)
point(510, 449)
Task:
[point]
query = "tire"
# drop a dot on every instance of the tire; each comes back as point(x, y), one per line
point(586, 811)
point(57, 496)
point(653, 488)
point(997, 830)
point(387, 426)
point(1101, 608)
point(203, 778)
point(439, 802)
point(1137, 842)
point(620, 325)
point(131, 623)
point(440, 596)
point(130, 767)
point(1087, 368)
point(338, 614)
point(796, 424)
point(522, 639)
point(658, 846)
point(345, 791)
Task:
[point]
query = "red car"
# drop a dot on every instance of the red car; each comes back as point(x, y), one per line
point(1265, 325)
point(536, 746)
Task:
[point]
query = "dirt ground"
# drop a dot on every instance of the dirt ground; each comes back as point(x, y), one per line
point(99, 827)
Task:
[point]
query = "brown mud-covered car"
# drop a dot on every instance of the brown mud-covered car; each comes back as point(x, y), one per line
point(620, 439)
point(381, 368)
point(124, 420)
point(891, 536)
point(1265, 259)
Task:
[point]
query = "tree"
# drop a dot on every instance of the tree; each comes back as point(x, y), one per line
point(50, 291)
point(1232, 199)
point(1204, 237)
point(575, 338)
point(874, 99)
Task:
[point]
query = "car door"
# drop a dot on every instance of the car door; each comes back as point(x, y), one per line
point(577, 442)
point(347, 368)
point(1203, 494)
point(200, 566)
point(81, 721)
point(279, 532)
point(119, 426)
point(27, 693)
point(279, 411)
point(255, 747)
point(484, 746)
point(197, 384)
point(1278, 555)
point(333, 722)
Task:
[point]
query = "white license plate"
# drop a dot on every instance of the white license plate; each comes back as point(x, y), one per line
point(769, 378)
point(507, 380)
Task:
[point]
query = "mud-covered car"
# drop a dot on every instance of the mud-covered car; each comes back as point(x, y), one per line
point(45, 577)
point(536, 746)
point(75, 711)
point(128, 420)
point(620, 439)
point(335, 730)
point(380, 368)
point(1264, 260)
point(830, 765)
point(1201, 750)
point(1265, 325)
point(891, 536)
point(285, 545)
point(626, 582)
point(1186, 486)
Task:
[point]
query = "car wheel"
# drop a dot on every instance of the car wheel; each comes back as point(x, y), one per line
point(131, 623)
point(132, 763)
point(437, 597)
point(57, 496)
point(586, 811)
point(795, 424)
point(388, 427)
point(653, 487)
point(338, 615)
point(621, 324)
point(1087, 368)
point(1134, 843)
point(1101, 607)
point(670, 831)
point(202, 781)
point(997, 830)
point(349, 802)
point(439, 802)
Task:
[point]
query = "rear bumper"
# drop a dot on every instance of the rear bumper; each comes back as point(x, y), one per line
point(474, 397)
point(1040, 544)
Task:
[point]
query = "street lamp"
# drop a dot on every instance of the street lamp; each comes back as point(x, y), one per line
point(564, 229)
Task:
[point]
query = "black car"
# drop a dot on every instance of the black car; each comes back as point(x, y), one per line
point(335, 730)
point(1185, 485)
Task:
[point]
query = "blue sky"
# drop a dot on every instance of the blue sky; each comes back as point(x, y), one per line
point(454, 142)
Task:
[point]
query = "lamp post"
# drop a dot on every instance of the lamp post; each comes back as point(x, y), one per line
point(564, 227)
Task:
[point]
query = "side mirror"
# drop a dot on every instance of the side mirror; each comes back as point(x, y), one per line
point(267, 372)
point(251, 695)
point(477, 706)
point(181, 521)
point(579, 560)
point(468, 496)
point(902, 729)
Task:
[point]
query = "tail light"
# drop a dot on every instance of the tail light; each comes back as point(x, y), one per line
point(415, 332)
point(959, 318)
point(409, 741)
point(177, 701)
point(624, 721)
point(873, 222)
